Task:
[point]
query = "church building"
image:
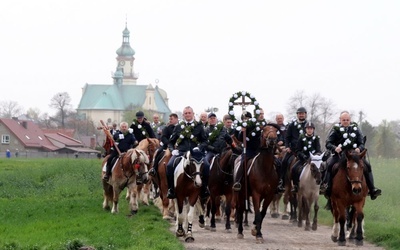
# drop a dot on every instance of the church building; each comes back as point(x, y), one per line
point(109, 102)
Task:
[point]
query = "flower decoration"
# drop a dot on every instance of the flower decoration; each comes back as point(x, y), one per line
point(213, 135)
point(308, 142)
point(349, 136)
point(186, 132)
point(252, 122)
point(142, 128)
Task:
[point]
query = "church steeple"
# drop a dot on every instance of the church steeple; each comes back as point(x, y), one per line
point(125, 58)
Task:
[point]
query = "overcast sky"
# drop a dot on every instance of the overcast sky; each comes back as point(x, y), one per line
point(201, 52)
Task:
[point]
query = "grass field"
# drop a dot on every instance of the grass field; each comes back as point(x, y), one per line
point(57, 204)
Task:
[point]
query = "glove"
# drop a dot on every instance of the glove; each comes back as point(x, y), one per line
point(175, 152)
point(130, 130)
point(196, 149)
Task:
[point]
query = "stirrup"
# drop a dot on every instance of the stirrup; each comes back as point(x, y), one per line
point(237, 186)
point(152, 172)
point(170, 194)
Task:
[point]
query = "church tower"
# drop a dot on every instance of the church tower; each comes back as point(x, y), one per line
point(125, 61)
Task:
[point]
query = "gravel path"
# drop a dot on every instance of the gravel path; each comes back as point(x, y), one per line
point(278, 234)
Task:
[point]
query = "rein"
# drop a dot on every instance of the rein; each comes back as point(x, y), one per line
point(136, 165)
point(193, 175)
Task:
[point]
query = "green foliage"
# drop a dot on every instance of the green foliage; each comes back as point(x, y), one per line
point(57, 204)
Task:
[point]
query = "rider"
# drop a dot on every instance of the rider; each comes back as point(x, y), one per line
point(307, 143)
point(218, 137)
point(294, 130)
point(188, 135)
point(141, 127)
point(164, 140)
point(124, 140)
point(345, 136)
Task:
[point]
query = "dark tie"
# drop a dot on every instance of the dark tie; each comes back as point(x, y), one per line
point(189, 123)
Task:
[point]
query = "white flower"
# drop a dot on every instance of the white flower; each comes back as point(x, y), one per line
point(243, 92)
point(182, 126)
point(130, 130)
point(305, 148)
point(244, 124)
point(139, 126)
point(252, 96)
point(355, 145)
point(181, 136)
point(235, 121)
point(256, 102)
point(235, 96)
point(209, 134)
point(253, 134)
point(231, 112)
point(355, 128)
point(341, 129)
point(247, 138)
point(238, 128)
point(258, 128)
point(191, 136)
point(230, 104)
point(144, 132)
point(253, 119)
point(345, 135)
point(258, 111)
point(353, 135)
point(309, 142)
point(301, 132)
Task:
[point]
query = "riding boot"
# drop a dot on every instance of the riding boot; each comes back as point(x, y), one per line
point(373, 191)
point(171, 188)
point(326, 187)
point(295, 180)
point(237, 186)
point(328, 205)
point(281, 184)
point(205, 193)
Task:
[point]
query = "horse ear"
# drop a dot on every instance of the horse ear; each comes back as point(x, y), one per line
point(362, 154)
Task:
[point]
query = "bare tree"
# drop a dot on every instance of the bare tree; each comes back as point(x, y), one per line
point(33, 113)
point(62, 103)
point(9, 109)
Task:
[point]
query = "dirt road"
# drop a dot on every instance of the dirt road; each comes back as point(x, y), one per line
point(278, 234)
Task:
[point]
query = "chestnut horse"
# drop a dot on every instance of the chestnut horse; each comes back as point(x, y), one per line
point(187, 180)
point(349, 189)
point(220, 183)
point(130, 168)
point(149, 146)
point(308, 194)
point(262, 182)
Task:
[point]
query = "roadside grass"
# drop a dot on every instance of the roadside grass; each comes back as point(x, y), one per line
point(57, 204)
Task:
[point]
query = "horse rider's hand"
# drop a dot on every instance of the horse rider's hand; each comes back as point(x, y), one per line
point(288, 150)
point(338, 149)
point(357, 150)
point(196, 149)
point(175, 152)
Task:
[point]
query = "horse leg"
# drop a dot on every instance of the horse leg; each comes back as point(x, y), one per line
point(180, 232)
point(306, 213)
point(107, 195)
point(257, 220)
point(315, 219)
point(360, 229)
point(190, 216)
point(116, 193)
point(133, 198)
point(300, 210)
point(228, 210)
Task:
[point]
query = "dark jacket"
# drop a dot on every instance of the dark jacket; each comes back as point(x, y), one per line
point(187, 143)
point(253, 143)
point(349, 138)
point(218, 138)
point(293, 132)
point(306, 145)
point(125, 141)
point(145, 127)
point(166, 135)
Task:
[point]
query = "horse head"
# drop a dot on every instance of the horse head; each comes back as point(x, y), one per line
point(315, 162)
point(193, 167)
point(269, 135)
point(140, 161)
point(355, 170)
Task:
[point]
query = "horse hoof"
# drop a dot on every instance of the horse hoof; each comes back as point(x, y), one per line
point(341, 243)
point(285, 217)
point(133, 212)
point(259, 240)
point(213, 229)
point(207, 227)
point(189, 239)
point(314, 227)
point(359, 242)
point(201, 225)
point(240, 236)
point(180, 233)
point(253, 232)
point(228, 231)
point(334, 238)
point(275, 215)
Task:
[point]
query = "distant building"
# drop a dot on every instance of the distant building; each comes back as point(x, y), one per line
point(109, 102)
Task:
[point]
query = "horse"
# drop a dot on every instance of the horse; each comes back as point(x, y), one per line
point(349, 189)
point(187, 181)
point(149, 146)
point(308, 193)
point(128, 169)
point(161, 181)
point(274, 207)
point(220, 183)
point(262, 182)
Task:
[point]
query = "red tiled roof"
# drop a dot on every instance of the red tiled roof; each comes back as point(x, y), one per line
point(64, 139)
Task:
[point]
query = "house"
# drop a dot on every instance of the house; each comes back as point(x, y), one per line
point(108, 102)
point(26, 136)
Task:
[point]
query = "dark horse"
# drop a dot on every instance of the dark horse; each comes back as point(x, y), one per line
point(187, 179)
point(220, 183)
point(262, 182)
point(349, 189)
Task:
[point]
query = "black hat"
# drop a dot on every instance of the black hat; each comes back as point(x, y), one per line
point(211, 115)
point(310, 125)
point(139, 114)
point(301, 110)
point(246, 115)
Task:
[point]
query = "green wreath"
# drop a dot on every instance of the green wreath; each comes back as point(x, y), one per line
point(253, 122)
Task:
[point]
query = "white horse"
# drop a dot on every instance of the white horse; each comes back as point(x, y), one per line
point(308, 194)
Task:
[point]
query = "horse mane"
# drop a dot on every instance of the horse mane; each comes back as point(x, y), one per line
point(142, 156)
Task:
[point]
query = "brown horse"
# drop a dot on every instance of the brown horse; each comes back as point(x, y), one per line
point(349, 189)
point(149, 146)
point(262, 182)
point(220, 183)
point(187, 179)
point(130, 168)
point(161, 182)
